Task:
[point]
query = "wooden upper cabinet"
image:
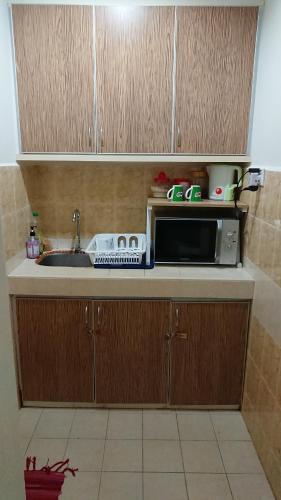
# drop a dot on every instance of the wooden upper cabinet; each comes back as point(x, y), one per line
point(134, 54)
point(131, 351)
point(208, 349)
point(54, 57)
point(55, 349)
point(214, 68)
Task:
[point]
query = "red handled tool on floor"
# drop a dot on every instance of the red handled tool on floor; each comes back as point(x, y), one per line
point(45, 483)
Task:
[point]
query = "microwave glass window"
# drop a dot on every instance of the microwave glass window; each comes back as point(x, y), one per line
point(180, 241)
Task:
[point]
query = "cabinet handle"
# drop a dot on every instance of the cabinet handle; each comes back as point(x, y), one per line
point(182, 336)
point(177, 317)
point(101, 138)
point(99, 309)
point(88, 329)
point(178, 138)
point(90, 138)
point(168, 336)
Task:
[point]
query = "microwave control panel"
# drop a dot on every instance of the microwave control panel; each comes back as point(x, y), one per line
point(229, 248)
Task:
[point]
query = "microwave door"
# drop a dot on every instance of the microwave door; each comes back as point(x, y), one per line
point(185, 241)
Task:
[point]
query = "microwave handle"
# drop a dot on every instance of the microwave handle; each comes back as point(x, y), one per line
point(218, 241)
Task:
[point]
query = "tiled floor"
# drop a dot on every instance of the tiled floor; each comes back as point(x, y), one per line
point(149, 454)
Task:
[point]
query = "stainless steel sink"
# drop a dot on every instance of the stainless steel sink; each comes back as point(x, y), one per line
point(66, 260)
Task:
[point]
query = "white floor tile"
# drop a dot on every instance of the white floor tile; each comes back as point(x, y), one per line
point(124, 424)
point(195, 425)
point(121, 486)
point(28, 419)
point(86, 454)
point(202, 456)
point(54, 423)
point(89, 424)
point(123, 455)
point(161, 486)
point(208, 487)
point(162, 456)
point(84, 486)
point(159, 424)
point(250, 487)
point(44, 449)
point(240, 457)
point(230, 427)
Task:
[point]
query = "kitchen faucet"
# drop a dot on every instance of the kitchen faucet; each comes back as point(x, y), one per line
point(76, 218)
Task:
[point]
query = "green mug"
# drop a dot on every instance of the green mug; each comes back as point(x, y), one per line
point(193, 193)
point(175, 193)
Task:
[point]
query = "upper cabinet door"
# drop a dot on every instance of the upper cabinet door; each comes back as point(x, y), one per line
point(134, 50)
point(215, 56)
point(53, 46)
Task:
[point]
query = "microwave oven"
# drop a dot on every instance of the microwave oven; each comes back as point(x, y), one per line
point(187, 241)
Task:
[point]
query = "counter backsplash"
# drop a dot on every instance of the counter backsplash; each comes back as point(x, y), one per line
point(110, 198)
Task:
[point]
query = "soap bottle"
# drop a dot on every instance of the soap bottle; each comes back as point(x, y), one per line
point(36, 227)
point(32, 245)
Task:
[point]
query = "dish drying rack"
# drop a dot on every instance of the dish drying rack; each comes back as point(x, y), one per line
point(117, 249)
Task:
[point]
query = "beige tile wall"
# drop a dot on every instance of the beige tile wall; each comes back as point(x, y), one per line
point(111, 198)
point(15, 209)
point(262, 396)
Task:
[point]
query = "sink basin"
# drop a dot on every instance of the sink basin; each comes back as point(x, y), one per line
point(66, 260)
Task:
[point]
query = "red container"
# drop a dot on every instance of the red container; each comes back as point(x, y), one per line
point(45, 484)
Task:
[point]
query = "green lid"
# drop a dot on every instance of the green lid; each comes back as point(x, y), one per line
point(35, 214)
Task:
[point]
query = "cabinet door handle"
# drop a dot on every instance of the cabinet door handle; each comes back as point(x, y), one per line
point(101, 138)
point(168, 336)
point(99, 309)
point(177, 317)
point(87, 323)
point(90, 138)
point(182, 336)
point(178, 137)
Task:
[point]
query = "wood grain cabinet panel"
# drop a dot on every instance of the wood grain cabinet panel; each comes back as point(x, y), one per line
point(56, 349)
point(131, 351)
point(134, 53)
point(53, 47)
point(215, 56)
point(208, 353)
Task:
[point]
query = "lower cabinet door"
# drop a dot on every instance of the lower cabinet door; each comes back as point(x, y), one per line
point(55, 349)
point(131, 351)
point(207, 353)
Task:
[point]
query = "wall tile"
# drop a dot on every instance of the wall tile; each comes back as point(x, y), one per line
point(99, 218)
point(256, 341)
point(7, 190)
point(270, 363)
point(99, 184)
point(271, 193)
point(277, 258)
point(265, 258)
point(253, 229)
point(10, 234)
point(130, 219)
point(129, 187)
point(15, 209)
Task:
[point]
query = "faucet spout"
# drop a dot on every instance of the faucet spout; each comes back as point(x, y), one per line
point(76, 218)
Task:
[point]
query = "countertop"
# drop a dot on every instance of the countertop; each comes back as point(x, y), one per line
point(196, 282)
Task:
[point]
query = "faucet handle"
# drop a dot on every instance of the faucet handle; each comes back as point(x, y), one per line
point(76, 215)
